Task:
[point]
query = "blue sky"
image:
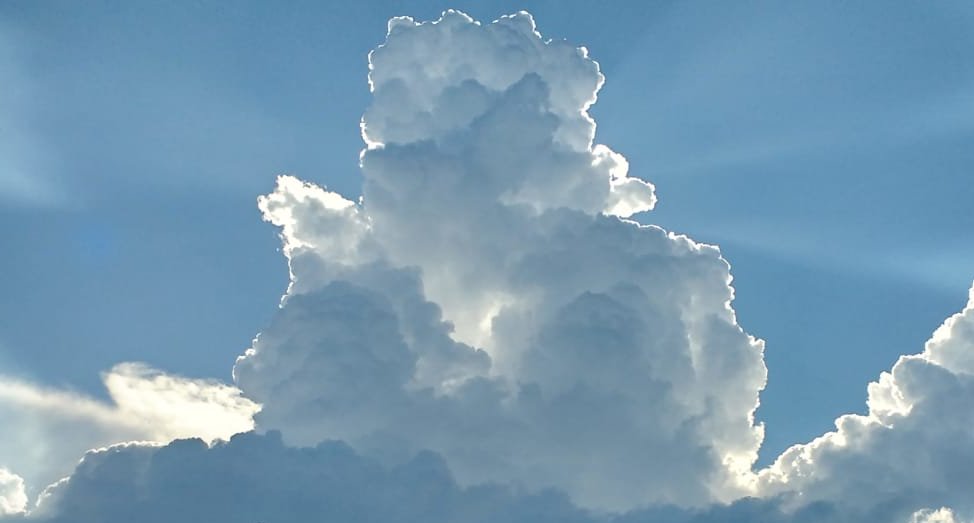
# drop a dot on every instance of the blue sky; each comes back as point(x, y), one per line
point(825, 147)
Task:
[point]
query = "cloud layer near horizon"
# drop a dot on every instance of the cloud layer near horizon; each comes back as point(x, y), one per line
point(492, 340)
point(258, 477)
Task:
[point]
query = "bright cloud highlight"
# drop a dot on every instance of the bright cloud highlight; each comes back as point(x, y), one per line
point(47, 430)
point(13, 497)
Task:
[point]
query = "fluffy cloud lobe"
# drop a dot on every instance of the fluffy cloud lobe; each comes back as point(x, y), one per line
point(915, 446)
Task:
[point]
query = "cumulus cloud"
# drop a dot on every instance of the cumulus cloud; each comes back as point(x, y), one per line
point(486, 300)
point(915, 446)
point(492, 339)
point(45, 431)
point(13, 497)
point(941, 515)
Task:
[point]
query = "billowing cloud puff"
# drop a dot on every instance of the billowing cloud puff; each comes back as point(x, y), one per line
point(484, 299)
point(524, 100)
point(915, 446)
point(45, 431)
point(13, 497)
point(941, 515)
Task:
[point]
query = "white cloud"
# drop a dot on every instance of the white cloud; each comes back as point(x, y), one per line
point(487, 300)
point(941, 515)
point(435, 81)
point(612, 363)
point(13, 497)
point(483, 301)
point(916, 443)
point(46, 430)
